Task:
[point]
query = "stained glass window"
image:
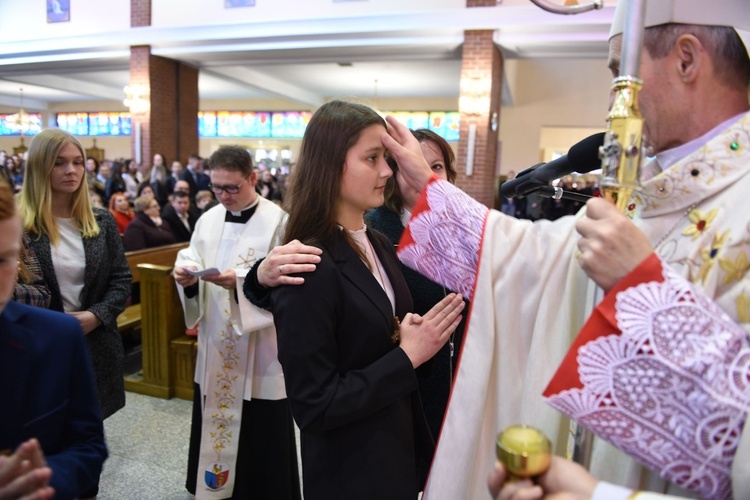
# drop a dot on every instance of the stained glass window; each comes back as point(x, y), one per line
point(96, 124)
point(7, 127)
point(109, 124)
point(445, 124)
point(290, 124)
point(234, 124)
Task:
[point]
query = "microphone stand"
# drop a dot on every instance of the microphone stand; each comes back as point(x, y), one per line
point(557, 193)
point(622, 153)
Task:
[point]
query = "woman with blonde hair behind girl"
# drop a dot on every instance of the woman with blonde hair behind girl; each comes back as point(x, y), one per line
point(80, 253)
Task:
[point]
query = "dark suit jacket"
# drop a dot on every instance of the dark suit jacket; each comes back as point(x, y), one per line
point(435, 376)
point(143, 233)
point(201, 184)
point(352, 391)
point(48, 393)
point(106, 288)
point(181, 233)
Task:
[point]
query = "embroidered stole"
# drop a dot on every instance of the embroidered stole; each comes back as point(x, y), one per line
point(230, 359)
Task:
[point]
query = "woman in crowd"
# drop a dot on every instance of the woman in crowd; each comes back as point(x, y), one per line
point(92, 178)
point(12, 173)
point(115, 182)
point(351, 384)
point(80, 254)
point(119, 207)
point(157, 179)
point(145, 190)
point(6, 171)
point(391, 218)
point(131, 176)
point(147, 229)
point(267, 185)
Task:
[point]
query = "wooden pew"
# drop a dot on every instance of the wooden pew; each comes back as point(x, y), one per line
point(168, 354)
point(161, 256)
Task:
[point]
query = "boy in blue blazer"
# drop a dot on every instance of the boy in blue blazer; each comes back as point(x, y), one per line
point(51, 433)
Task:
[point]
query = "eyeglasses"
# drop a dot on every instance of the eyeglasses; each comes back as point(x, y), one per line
point(226, 189)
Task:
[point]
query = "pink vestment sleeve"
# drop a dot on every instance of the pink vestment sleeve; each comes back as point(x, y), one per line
point(661, 372)
point(446, 226)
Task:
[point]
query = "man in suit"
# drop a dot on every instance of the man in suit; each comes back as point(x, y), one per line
point(194, 175)
point(51, 433)
point(178, 216)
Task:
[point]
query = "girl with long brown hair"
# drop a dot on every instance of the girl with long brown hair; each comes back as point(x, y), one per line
point(348, 364)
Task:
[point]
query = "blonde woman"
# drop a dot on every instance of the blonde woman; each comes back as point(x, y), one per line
point(80, 253)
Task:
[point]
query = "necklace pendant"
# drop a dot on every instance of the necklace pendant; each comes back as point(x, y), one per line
point(396, 337)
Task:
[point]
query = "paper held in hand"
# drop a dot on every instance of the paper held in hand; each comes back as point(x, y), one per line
point(204, 272)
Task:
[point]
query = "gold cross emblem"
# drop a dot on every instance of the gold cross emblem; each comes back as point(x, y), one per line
point(248, 260)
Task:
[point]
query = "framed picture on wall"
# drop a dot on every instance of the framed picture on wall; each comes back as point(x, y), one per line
point(231, 4)
point(58, 11)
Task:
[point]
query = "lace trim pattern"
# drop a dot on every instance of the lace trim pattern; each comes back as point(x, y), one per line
point(441, 237)
point(673, 390)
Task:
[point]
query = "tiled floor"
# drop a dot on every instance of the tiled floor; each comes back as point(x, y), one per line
point(148, 448)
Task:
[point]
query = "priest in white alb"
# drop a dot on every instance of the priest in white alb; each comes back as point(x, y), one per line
point(242, 442)
point(662, 369)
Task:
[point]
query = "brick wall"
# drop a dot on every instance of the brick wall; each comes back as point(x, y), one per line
point(170, 125)
point(163, 78)
point(140, 13)
point(481, 58)
point(139, 75)
point(187, 123)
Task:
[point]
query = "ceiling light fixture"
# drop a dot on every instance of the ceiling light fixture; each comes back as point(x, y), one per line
point(137, 98)
point(21, 121)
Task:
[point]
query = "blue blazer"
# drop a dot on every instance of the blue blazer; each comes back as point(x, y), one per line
point(48, 392)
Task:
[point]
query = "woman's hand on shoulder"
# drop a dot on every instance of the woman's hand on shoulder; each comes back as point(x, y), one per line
point(292, 258)
point(423, 336)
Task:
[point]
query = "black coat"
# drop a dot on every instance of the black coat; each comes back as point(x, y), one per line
point(106, 288)
point(143, 233)
point(180, 232)
point(436, 376)
point(353, 393)
point(201, 184)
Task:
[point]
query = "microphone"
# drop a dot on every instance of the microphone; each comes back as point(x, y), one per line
point(582, 157)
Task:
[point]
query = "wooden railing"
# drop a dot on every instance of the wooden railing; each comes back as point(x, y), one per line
point(168, 354)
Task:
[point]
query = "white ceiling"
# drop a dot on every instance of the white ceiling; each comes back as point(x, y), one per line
point(303, 61)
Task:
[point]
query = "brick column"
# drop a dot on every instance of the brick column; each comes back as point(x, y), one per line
point(482, 66)
point(140, 13)
point(170, 124)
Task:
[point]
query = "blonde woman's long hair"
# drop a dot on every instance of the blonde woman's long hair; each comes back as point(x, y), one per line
point(35, 201)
